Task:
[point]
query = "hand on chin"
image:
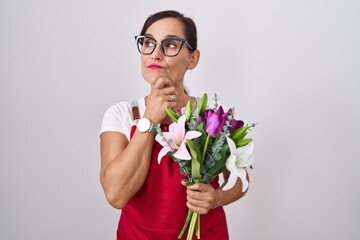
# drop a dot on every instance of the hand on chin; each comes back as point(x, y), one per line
point(154, 77)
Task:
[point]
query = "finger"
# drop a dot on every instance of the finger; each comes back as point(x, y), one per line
point(184, 183)
point(195, 203)
point(197, 209)
point(198, 203)
point(195, 194)
point(167, 90)
point(162, 82)
point(200, 187)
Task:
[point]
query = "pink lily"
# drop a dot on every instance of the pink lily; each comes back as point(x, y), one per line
point(178, 137)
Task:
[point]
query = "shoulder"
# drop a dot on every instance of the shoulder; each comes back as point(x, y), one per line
point(123, 109)
point(118, 117)
point(120, 109)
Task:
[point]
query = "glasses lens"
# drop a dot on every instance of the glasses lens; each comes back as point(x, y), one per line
point(146, 45)
point(171, 47)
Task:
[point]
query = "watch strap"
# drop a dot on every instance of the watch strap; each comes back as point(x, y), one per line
point(153, 128)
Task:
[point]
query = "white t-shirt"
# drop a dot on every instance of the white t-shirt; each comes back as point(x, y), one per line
point(119, 118)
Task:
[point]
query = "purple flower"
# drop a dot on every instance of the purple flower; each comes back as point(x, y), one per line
point(236, 124)
point(215, 120)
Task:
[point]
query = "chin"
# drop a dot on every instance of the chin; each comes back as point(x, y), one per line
point(150, 79)
point(152, 76)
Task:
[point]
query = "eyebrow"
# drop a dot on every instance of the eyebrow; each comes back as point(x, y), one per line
point(167, 36)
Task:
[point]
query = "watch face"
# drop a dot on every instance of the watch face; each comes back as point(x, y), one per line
point(143, 125)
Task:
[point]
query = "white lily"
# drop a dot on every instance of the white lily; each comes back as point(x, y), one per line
point(239, 159)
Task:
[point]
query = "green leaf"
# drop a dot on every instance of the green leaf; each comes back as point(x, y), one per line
point(188, 111)
point(202, 138)
point(184, 166)
point(203, 104)
point(239, 133)
point(173, 115)
point(242, 142)
point(195, 159)
point(224, 151)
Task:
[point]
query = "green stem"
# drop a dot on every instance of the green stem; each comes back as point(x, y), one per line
point(187, 221)
point(205, 149)
point(192, 226)
point(198, 227)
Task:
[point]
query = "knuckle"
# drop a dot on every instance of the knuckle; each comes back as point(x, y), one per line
point(203, 211)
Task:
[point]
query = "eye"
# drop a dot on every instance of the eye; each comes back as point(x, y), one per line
point(148, 42)
point(171, 44)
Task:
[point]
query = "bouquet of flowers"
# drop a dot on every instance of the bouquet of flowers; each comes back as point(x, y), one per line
point(206, 142)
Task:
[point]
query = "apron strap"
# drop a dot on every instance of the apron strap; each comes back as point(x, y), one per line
point(135, 110)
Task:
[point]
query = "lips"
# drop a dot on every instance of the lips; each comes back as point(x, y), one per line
point(154, 66)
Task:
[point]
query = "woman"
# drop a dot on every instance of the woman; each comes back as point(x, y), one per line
point(152, 196)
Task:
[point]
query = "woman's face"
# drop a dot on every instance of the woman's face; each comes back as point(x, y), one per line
point(158, 65)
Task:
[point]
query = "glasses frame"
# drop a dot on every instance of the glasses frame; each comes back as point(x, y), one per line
point(183, 41)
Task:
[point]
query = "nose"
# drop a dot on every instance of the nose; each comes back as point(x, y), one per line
point(157, 53)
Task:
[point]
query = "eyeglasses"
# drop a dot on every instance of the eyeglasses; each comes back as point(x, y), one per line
point(170, 47)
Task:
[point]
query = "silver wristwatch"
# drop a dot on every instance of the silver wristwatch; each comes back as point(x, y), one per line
point(144, 125)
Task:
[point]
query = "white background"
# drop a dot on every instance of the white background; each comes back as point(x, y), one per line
point(292, 66)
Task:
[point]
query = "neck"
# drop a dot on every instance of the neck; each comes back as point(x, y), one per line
point(182, 99)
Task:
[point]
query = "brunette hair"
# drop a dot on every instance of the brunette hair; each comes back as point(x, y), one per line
point(188, 23)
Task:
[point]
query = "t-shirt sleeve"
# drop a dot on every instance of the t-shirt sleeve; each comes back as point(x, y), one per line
point(118, 118)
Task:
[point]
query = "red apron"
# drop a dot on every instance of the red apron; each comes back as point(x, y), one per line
point(158, 210)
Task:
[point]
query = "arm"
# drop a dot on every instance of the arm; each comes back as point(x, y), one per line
point(203, 197)
point(124, 164)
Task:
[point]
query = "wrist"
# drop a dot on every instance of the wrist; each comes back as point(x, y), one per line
point(218, 196)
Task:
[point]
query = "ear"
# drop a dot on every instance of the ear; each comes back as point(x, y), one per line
point(194, 59)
